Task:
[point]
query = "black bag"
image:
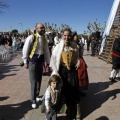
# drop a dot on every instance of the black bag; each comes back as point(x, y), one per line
point(22, 64)
point(43, 106)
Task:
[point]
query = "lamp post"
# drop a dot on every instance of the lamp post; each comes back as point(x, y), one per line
point(21, 26)
point(10, 27)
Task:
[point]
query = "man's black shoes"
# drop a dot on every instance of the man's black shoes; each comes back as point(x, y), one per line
point(117, 78)
point(112, 79)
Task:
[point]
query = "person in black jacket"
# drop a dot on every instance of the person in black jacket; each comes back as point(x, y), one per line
point(10, 41)
point(115, 60)
point(93, 45)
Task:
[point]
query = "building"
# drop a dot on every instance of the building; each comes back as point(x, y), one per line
point(112, 31)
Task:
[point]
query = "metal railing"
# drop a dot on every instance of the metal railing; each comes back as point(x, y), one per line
point(4, 53)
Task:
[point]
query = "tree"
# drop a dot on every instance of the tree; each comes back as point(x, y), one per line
point(14, 32)
point(54, 28)
point(95, 27)
point(2, 6)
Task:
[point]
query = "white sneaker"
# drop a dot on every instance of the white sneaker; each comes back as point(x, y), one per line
point(38, 99)
point(33, 105)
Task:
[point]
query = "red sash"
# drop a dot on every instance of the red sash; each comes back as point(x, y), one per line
point(114, 54)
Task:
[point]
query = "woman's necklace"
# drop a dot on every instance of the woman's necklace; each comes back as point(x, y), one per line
point(66, 48)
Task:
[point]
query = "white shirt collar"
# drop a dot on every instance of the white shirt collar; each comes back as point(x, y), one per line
point(39, 35)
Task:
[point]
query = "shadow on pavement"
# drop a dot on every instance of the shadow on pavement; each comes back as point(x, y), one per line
point(3, 98)
point(102, 118)
point(14, 111)
point(5, 69)
point(96, 96)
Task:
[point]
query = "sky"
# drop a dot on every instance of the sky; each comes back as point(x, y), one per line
point(24, 14)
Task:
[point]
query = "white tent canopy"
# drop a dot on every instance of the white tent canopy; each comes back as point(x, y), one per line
point(109, 23)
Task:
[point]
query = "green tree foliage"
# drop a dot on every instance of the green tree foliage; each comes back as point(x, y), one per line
point(14, 31)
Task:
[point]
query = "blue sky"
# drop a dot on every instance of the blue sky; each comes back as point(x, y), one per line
point(75, 13)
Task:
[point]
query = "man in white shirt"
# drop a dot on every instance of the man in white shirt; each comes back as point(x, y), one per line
point(57, 39)
point(82, 43)
point(36, 57)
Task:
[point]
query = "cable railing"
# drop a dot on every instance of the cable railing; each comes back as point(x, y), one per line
point(4, 53)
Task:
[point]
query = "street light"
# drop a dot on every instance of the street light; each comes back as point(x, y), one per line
point(21, 26)
point(10, 27)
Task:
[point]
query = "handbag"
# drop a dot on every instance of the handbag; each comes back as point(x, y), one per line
point(43, 110)
point(22, 63)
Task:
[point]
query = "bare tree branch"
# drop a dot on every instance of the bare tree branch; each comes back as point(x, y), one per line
point(2, 6)
point(95, 27)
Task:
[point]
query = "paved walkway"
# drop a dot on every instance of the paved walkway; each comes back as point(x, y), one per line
point(101, 103)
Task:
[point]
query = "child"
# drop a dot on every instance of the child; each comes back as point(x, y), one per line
point(52, 97)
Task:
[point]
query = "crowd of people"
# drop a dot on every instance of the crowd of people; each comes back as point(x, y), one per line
point(14, 41)
point(61, 55)
point(94, 43)
point(9, 44)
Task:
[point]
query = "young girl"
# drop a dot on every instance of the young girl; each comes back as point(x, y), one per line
point(52, 97)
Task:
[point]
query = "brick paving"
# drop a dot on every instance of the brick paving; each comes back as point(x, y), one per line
point(101, 103)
